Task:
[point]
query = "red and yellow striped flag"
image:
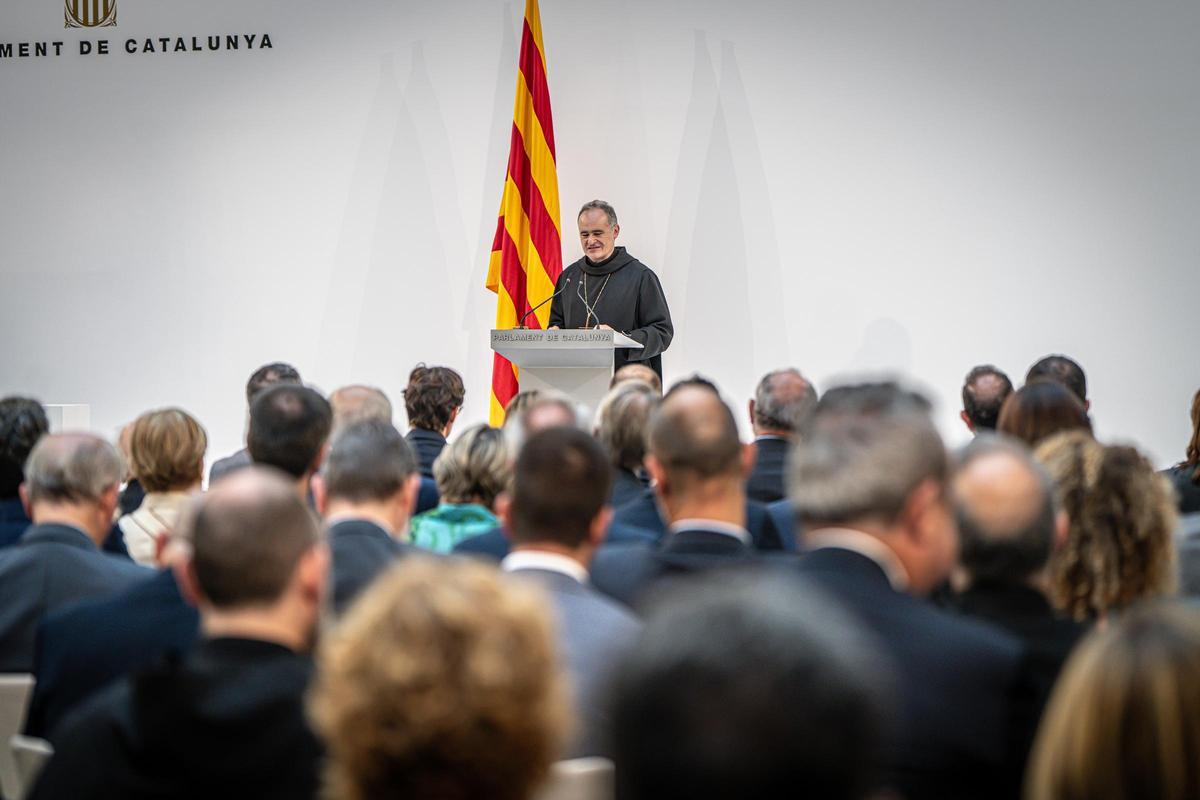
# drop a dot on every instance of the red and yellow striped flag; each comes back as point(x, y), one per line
point(527, 251)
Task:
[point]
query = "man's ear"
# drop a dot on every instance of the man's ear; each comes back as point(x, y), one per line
point(966, 421)
point(503, 509)
point(319, 493)
point(749, 455)
point(189, 587)
point(319, 459)
point(412, 491)
point(312, 573)
point(616, 232)
point(916, 507)
point(751, 411)
point(23, 492)
point(599, 527)
point(162, 540)
point(1062, 529)
point(654, 469)
point(110, 499)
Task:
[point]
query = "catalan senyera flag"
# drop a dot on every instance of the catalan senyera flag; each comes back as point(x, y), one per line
point(527, 251)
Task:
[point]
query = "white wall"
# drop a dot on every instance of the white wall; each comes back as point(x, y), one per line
point(842, 186)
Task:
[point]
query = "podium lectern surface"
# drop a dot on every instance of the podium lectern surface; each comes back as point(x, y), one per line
point(577, 363)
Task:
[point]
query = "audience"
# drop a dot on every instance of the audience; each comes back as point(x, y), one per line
point(637, 372)
point(782, 403)
point(748, 691)
point(471, 472)
point(983, 394)
point(1063, 370)
point(1185, 476)
point(557, 518)
point(22, 423)
point(70, 488)
point(166, 452)
point(230, 716)
point(1122, 723)
point(1119, 546)
point(366, 491)
point(441, 682)
point(356, 403)
point(132, 494)
point(1039, 410)
point(289, 427)
point(871, 479)
point(262, 378)
point(432, 399)
point(621, 420)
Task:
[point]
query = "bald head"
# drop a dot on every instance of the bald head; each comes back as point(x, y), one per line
point(72, 468)
point(1006, 511)
point(693, 435)
point(636, 372)
point(782, 403)
point(358, 403)
point(984, 391)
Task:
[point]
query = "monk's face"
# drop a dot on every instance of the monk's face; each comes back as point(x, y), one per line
point(597, 236)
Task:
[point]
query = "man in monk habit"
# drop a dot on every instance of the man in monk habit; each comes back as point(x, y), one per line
point(611, 290)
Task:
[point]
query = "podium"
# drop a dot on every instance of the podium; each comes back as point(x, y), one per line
point(577, 363)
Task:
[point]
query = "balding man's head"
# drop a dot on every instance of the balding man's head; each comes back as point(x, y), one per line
point(693, 437)
point(73, 478)
point(637, 372)
point(359, 403)
point(1006, 512)
point(983, 393)
point(783, 402)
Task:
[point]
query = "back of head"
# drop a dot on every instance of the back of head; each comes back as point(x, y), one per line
point(622, 420)
point(538, 411)
point(432, 396)
point(22, 423)
point(637, 372)
point(1062, 370)
point(1121, 724)
point(268, 375)
point(356, 403)
point(441, 681)
point(783, 401)
point(560, 483)
point(864, 452)
point(475, 467)
point(1041, 409)
point(1119, 546)
point(1006, 511)
point(983, 394)
point(166, 450)
point(694, 436)
point(732, 695)
point(289, 425)
point(1193, 449)
point(367, 461)
point(248, 534)
point(72, 468)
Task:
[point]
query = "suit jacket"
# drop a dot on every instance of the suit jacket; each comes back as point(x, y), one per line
point(1187, 494)
point(766, 481)
point(89, 645)
point(227, 720)
point(361, 550)
point(13, 521)
point(626, 572)
point(494, 544)
point(627, 487)
point(593, 632)
point(51, 567)
point(957, 685)
point(223, 466)
point(643, 514)
point(428, 446)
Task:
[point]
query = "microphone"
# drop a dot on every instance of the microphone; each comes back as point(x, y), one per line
point(566, 283)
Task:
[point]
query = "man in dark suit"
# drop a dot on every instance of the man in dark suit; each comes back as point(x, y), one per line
point(71, 486)
point(870, 478)
point(262, 378)
point(289, 428)
point(366, 491)
point(699, 468)
point(557, 514)
point(229, 716)
point(432, 399)
point(782, 403)
point(22, 423)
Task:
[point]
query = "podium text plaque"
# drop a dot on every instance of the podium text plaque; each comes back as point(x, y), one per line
point(577, 363)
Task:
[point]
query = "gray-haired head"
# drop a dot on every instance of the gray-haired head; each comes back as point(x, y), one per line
point(475, 467)
point(538, 412)
point(783, 401)
point(72, 468)
point(368, 460)
point(864, 451)
point(1006, 510)
point(622, 421)
point(356, 403)
point(599, 205)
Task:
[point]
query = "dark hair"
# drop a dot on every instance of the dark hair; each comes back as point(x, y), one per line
point(368, 460)
point(432, 395)
point(1041, 409)
point(1062, 370)
point(983, 406)
point(269, 375)
point(730, 693)
point(560, 483)
point(1193, 448)
point(22, 422)
point(697, 439)
point(288, 427)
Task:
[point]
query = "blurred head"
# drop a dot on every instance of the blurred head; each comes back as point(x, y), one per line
point(370, 464)
point(1121, 724)
point(1193, 448)
point(22, 423)
point(782, 404)
point(983, 393)
point(268, 375)
point(441, 681)
point(289, 426)
point(732, 694)
point(1007, 520)
point(73, 478)
point(1119, 546)
point(1062, 370)
point(1041, 409)
point(166, 450)
point(357, 403)
point(622, 421)
point(538, 411)
point(433, 398)
point(694, 449)
point(871, 459)
point(474, 468)
point(637, 372)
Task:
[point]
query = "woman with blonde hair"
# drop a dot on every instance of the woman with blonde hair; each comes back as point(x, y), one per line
point(440, 682)
point(1122, 722)
point(471, 472)
point(1119, 547)
point(166, 454)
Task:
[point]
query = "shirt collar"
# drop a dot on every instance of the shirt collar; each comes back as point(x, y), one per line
point(544, 560)
point(716, 526)
point(865, 545)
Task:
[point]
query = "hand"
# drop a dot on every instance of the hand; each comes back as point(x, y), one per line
point(553, 328)
point(604, 327)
